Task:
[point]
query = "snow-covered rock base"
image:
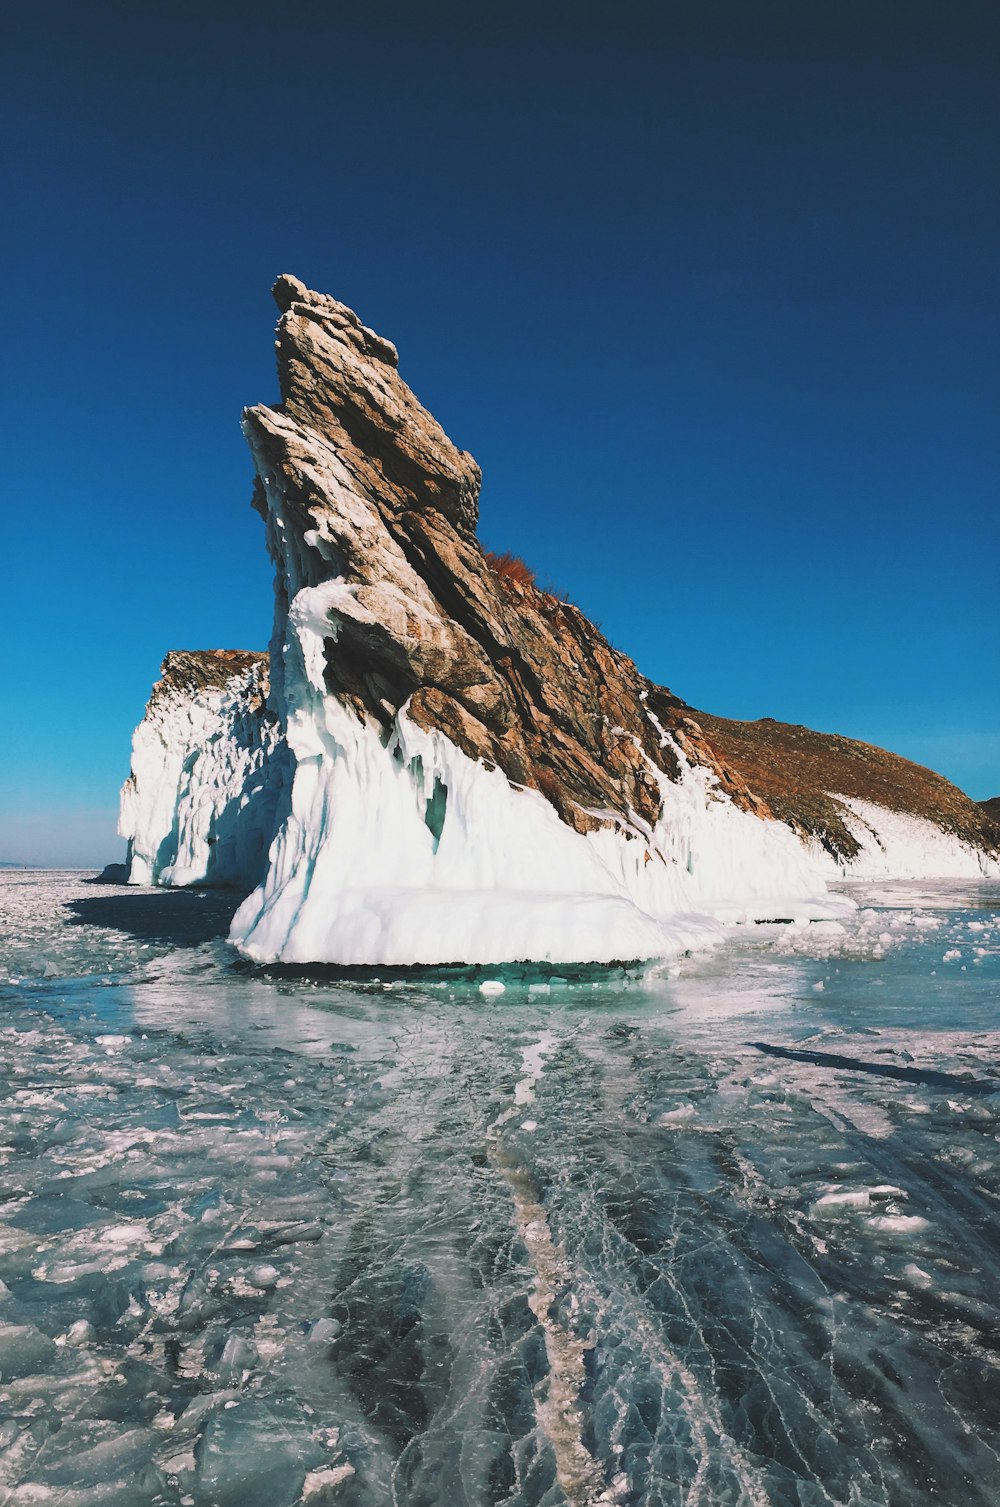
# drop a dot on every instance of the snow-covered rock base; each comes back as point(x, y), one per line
point(899, 845)
point(405, 850)
point(209, 764)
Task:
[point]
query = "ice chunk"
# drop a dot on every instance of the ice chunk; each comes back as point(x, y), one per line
point(23, 1350)
point(255, 1454)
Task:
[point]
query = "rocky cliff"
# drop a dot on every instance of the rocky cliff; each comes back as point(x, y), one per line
point(476, 774)
point(380, 498)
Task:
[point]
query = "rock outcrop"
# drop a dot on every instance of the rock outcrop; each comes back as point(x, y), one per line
point(466, 771)
point(478, 776)
point(510, 674)
point(209, 763)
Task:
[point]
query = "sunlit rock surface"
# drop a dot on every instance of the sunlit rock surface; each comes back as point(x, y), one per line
point(478, 777)
point(874, 813)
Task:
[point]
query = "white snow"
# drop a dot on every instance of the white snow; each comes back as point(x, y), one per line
point(896, 845)
point(359, 874)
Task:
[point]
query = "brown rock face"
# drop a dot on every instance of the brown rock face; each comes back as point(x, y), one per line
point(187, 670)
point(387, 503)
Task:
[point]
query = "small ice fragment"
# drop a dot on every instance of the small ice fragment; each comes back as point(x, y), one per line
point(239, 1355)
point(855, 1198)
point(819, 986)
point(529, 1125)
point(292, 1234)
point(124, 1234)
point(319, 1484)
point(324, 1331)
point(492, 986)
point(676, 1116)
point(25, 1351)
point(263, 1277)
point(847, 1199)
point(80, 1333)
point(899, 1224)
point(952, 955)
point(112, 1041)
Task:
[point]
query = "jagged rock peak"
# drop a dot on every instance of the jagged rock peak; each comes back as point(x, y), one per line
point(363, 487)
point(289, 291)
point(339, 379)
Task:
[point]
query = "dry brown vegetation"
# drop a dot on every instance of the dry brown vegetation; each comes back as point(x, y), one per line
point(512, 567)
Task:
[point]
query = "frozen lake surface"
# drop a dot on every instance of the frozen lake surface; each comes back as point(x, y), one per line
point(724, 1235)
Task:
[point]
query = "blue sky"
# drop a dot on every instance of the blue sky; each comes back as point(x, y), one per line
point(709, 290)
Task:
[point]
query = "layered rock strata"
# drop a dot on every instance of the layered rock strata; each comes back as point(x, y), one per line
point(476, 775)
point(479, 776)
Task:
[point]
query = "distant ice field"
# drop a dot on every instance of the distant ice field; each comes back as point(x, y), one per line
point(722, 1231)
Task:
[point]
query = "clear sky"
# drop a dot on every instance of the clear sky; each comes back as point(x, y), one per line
point(709, 290)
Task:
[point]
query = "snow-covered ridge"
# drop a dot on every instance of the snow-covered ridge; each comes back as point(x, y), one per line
point(900, 845)
point(208, 768)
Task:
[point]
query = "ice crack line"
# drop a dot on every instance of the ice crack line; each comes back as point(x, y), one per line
point(558, 1412)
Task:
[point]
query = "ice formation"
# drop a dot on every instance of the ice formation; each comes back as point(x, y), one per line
point(208, 766)
point(699, 1236)
point(455, 766)
point(411, 852)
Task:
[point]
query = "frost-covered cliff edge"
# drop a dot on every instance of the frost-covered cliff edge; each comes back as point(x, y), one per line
point(475, 773)
point(209, 763)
